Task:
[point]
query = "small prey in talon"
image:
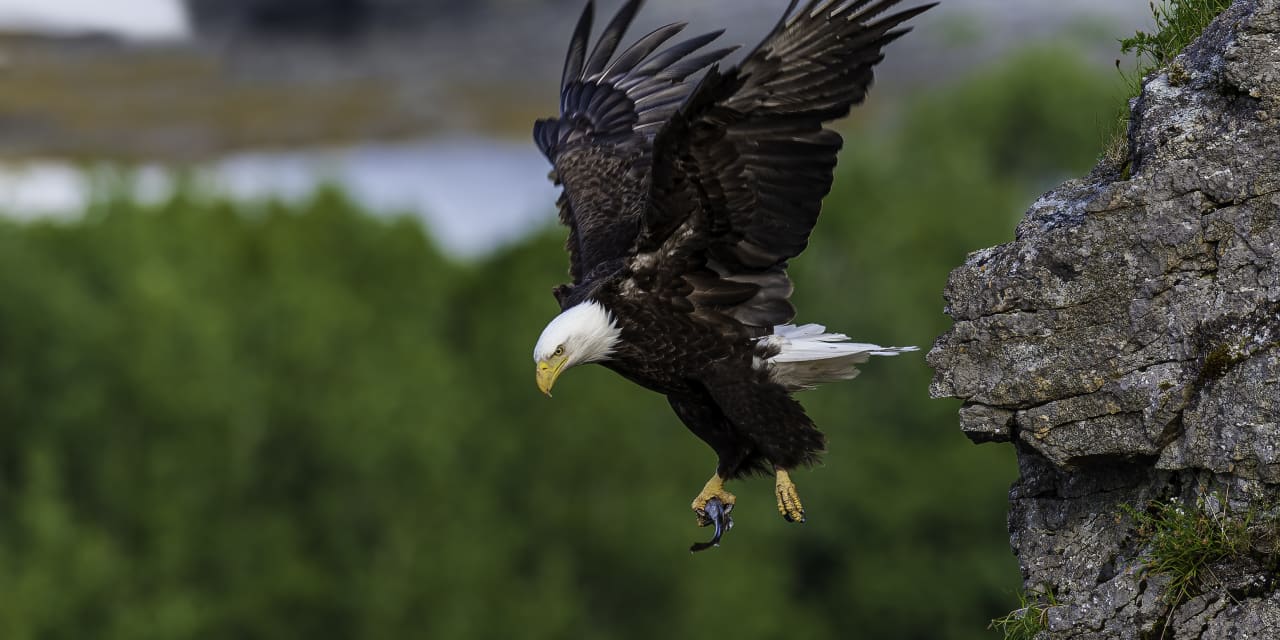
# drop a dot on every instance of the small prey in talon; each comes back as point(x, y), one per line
point(716, 513)
point(687, 189)
point(713, 489)
point(712, 507)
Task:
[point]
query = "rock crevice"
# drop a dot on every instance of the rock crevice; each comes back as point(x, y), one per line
point(1127, 342)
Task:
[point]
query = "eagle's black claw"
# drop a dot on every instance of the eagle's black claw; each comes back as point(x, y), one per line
point(719, 516)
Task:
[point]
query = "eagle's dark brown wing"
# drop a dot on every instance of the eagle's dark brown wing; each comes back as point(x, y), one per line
point(740, 171)
point(601, 144)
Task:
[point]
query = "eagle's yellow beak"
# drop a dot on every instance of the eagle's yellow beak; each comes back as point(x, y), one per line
point(548, 371)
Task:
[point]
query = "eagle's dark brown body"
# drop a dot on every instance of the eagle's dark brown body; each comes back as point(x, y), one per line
point(750, 421)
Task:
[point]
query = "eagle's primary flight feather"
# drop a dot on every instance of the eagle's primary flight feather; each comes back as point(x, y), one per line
point(685, 195)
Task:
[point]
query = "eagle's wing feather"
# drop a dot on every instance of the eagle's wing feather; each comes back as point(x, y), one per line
point(740, 170)
point(601, 144)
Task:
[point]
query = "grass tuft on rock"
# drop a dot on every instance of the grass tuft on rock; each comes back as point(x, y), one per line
point(1029, 619)
point(1178, 23)
point(1184, 542)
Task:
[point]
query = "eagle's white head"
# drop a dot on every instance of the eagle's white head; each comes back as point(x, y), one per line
point(583, 333)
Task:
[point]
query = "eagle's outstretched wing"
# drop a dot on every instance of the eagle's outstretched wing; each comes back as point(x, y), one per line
point(740, 171)
point(601, 145)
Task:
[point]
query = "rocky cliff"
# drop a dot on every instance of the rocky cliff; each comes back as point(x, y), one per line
point(1127, 344)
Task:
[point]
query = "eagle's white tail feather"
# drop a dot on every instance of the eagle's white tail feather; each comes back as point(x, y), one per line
point(808, 356)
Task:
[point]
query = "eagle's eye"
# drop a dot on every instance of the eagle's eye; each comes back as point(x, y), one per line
point(559, 351)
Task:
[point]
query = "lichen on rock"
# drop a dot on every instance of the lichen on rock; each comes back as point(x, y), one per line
point(1127, 342)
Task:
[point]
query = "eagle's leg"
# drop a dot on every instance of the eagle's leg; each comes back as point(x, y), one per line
point(713, 489)
point(788, 499)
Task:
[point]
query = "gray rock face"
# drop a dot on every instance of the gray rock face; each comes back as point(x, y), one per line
point(1128, 344)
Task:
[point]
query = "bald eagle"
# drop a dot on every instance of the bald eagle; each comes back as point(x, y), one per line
point(684, 199)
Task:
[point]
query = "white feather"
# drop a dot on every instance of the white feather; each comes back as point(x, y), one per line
point(808, 356)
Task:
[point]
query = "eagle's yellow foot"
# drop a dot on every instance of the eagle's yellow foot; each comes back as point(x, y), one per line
point(713, 489)
point(788, 499)
point(712, 507)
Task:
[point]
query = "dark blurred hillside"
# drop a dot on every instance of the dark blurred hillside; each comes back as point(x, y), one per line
point(345, 18)
point(248, 420)
point(322, 18)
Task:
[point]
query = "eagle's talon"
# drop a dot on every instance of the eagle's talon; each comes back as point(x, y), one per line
point(790, 518)
point(788, 498)
point(704, 520)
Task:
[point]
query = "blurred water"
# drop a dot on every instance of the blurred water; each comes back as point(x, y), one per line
point(473, 193)
point(140, 19)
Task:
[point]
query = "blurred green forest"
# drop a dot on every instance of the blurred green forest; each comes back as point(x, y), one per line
point(227, 419)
